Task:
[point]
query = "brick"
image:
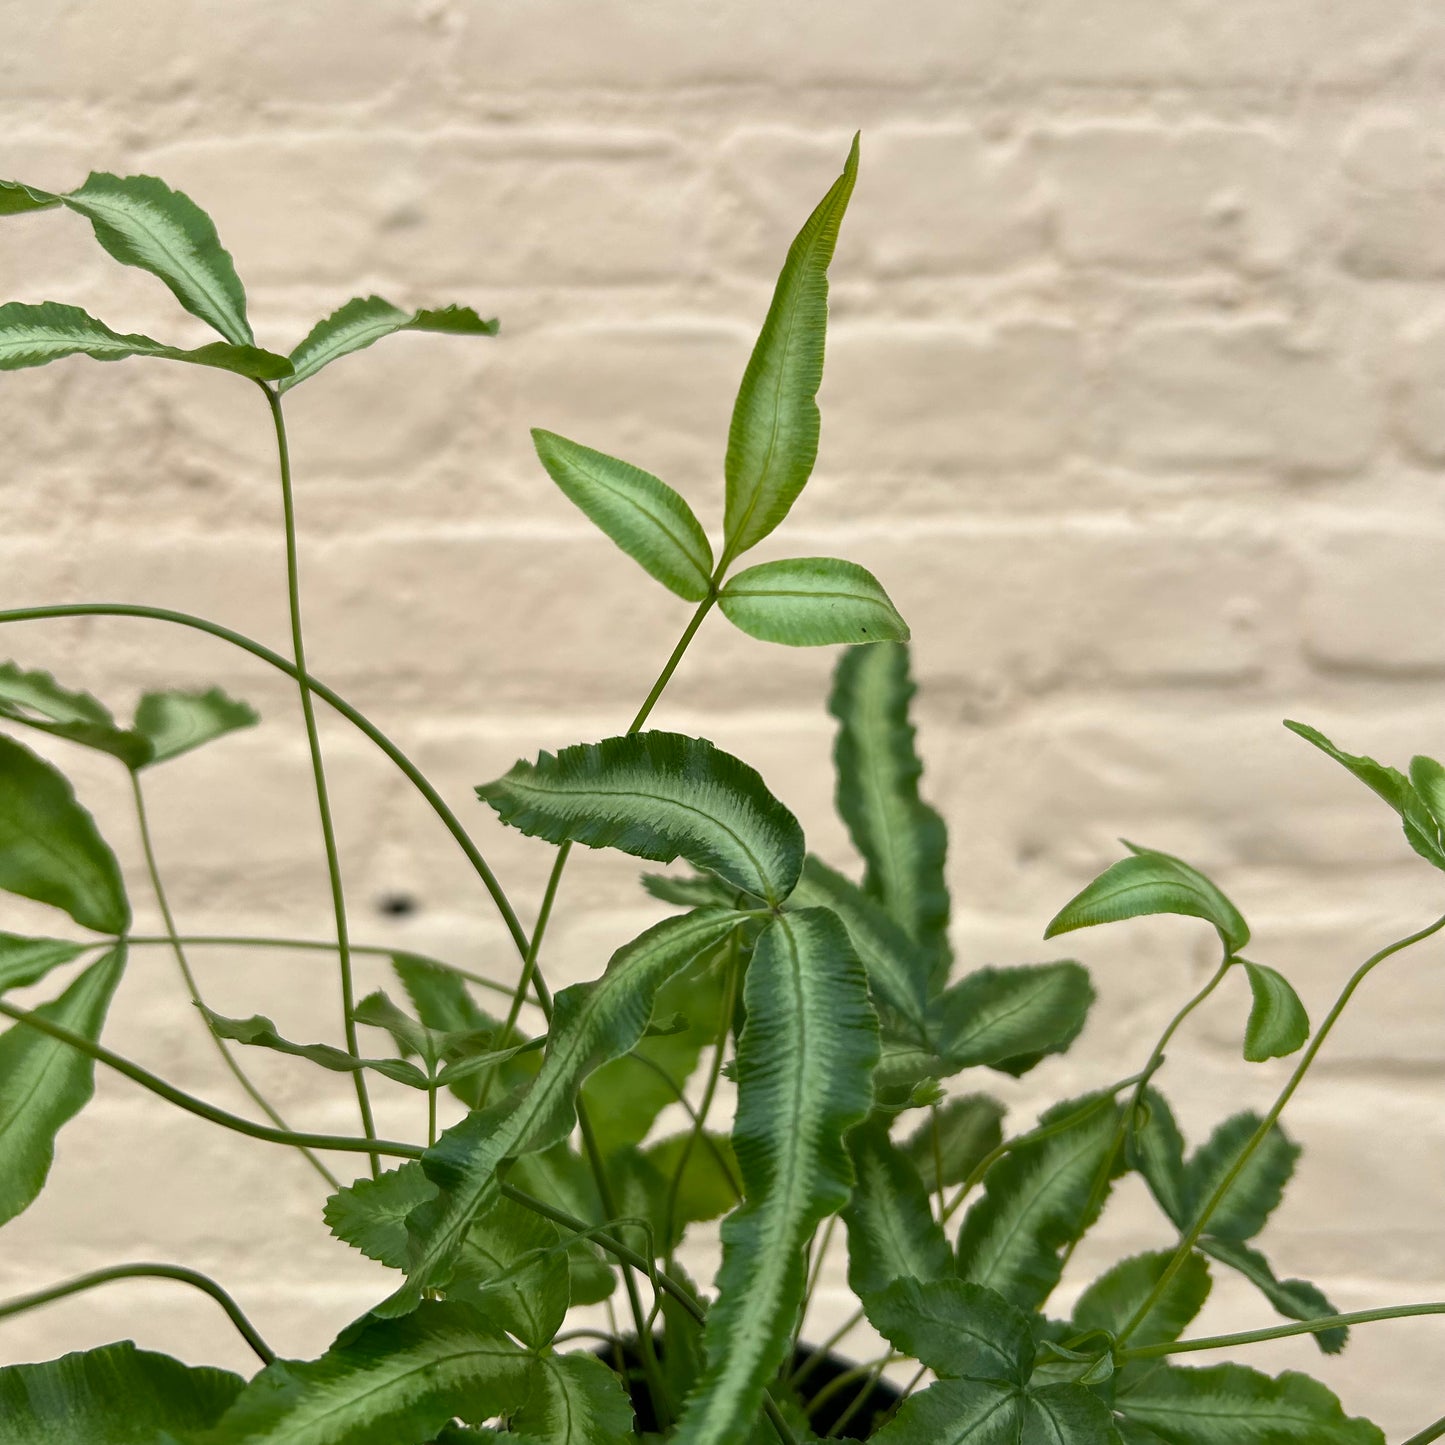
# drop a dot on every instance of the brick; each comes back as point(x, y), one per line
point(1371, 599)
point(1154, 199)
point(1238, 394)
point(466, 210)
point(1262, 43)
point(177, 50)
point(931, 200)
point(658, 394)
point(1222, 785)
point(1127, 41)
point(652, 46)
point(1419, 394)
point(1392, 203)
point(903, 398)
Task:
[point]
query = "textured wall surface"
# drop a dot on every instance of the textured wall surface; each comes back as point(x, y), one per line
point(1135, 403)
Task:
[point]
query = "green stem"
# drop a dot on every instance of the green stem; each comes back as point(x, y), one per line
point(936, 1134)
point(532, 977)
point(627, 1256)
point(1191, 1235)
point(333, 699)
point(173, 937)
point(318, 771)
point(670, 667)
point(1281, 1332)
point(195, 1278)
point(815, 1273)
point(650, 1366)
point(1033, 1137)
point(1429, 1434)
point(699, 1125)
point(903, 1395)
point(223, 940)
point(1130, 1113)
point(858, 1401)
point(821, 1352)
point(867, 1373)
point(199, 1107)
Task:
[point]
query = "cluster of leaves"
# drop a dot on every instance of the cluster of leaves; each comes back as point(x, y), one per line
point(830, 1003)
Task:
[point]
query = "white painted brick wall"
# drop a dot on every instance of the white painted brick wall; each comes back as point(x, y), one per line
point(1136, 403)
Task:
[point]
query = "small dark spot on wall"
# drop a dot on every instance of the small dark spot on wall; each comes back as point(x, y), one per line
point(397, 905)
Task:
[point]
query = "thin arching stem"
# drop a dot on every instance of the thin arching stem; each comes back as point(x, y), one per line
point(192, 1277)
point(318, 772)
point(668, 1285)
point(199, 1107)
point(334, 700)
point(532, 979)
point(699, 1125)
point(868, 1375)
point(231, 1062)
point(1047, 1131)
point(821, 1352)
point(1191, 1235)
point(1281, 1332)
point(1130, 1112)
point(1429, 1434)
point(327, 945)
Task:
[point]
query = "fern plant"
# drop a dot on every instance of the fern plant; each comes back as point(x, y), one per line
point(832, 1004)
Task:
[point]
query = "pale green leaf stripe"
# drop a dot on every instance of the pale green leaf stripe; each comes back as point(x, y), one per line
point(37, 700)
point(592, 1024)
point(1226, 1404)
point(50, 849)
point(996, 1014)
point(114, 1394)
point(658, 795)
point(902, 840)
point(1151, 882)
point(575, 1400)
point(175, 722)
point(25, 961)
point(1035, 1201)
point(773, 436)
point(1113, 1299)
point(1256, 1191)
point(35, 335)
point(969, 1128)
point(990, 1412)
point(892, 1233)
point(637, 510)
point(897, 968)
point(955, 1328)
point(363, 321)
point(811, 602)
point(1278, 1023)
point(388, 1382)
point(142, 222)
point(44, 1083)
point(804, 1063)
point(259, 1032)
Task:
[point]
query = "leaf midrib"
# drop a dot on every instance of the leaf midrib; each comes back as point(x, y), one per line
point(561, 785)
point(325, 353)
point(220, 304)
point(999, 1016)
point(431, 1363)
point(660, 521)
point(1021, 1216)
